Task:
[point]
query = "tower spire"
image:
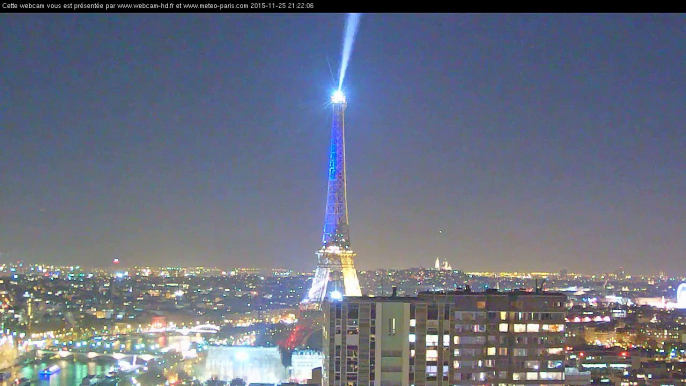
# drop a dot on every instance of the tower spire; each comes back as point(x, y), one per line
point(335, 274)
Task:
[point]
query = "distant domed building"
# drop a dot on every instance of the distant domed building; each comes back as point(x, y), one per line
point(442, 267)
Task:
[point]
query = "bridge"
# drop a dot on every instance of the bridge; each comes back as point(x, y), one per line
point(93, 355)
point(103, 345)
point(199, 329)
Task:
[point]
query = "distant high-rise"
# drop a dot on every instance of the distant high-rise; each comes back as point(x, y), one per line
point(335, 275)
point(466, 338)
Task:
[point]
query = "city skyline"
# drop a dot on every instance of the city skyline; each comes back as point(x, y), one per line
point(498, 142)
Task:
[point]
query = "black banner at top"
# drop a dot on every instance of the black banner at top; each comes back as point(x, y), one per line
point(160, 6)
point(240, 6)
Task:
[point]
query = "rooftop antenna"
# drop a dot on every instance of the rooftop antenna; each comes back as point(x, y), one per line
point(540, 289)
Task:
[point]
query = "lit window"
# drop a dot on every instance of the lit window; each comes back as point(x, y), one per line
point(431, 340)
point(555, 351)
point(446, 340)
point(431, 355)
point(490, 351)
point(518, 376)
point(479, 328)
point(456, 364)
point(502, 327)
point(534, 365)
point(519, 328)
point(503, 315)
point(502, 351)
point(391, 326)
point(553, 327)
point(481, 304)
point(519, 352)
point(532, 327)
point(554, 364)
point(551, 376)
point(531, 376)
point(412, 353)
point(413, 322)
point(413, 338)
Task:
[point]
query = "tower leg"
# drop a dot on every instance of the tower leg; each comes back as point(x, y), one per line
point(320, 281)
point(350, 281)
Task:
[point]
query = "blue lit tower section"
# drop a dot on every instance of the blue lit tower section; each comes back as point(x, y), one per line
point(335, 275)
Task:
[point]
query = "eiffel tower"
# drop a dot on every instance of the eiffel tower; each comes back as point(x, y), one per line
point(335, 275)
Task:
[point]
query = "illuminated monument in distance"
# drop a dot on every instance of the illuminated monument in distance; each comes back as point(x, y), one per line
point(335, 275)
point(681, 296)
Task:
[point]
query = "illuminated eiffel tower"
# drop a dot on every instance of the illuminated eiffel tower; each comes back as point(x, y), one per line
point(336, 275)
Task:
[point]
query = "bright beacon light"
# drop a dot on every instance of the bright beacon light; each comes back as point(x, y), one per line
point(338, 97)
point(335, 295)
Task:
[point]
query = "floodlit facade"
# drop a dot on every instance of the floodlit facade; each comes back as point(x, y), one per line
point(302, 364)
point(458, 338)
point(251, 364)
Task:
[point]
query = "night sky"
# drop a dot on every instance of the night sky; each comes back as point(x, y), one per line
point(535, 142)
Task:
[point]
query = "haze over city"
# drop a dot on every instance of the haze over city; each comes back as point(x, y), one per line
point(498, 142)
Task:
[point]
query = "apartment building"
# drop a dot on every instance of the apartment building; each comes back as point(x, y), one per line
point(453, 338)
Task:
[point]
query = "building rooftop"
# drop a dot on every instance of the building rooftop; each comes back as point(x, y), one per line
point(421, 296)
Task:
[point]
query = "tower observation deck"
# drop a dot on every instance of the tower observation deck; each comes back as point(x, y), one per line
point(335, 275)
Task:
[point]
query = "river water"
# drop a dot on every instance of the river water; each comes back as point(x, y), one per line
point(71, 373)
point(255, 364)
point(74, 370)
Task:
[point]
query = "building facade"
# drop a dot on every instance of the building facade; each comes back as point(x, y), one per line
point(302, 364)
point(457, 338)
